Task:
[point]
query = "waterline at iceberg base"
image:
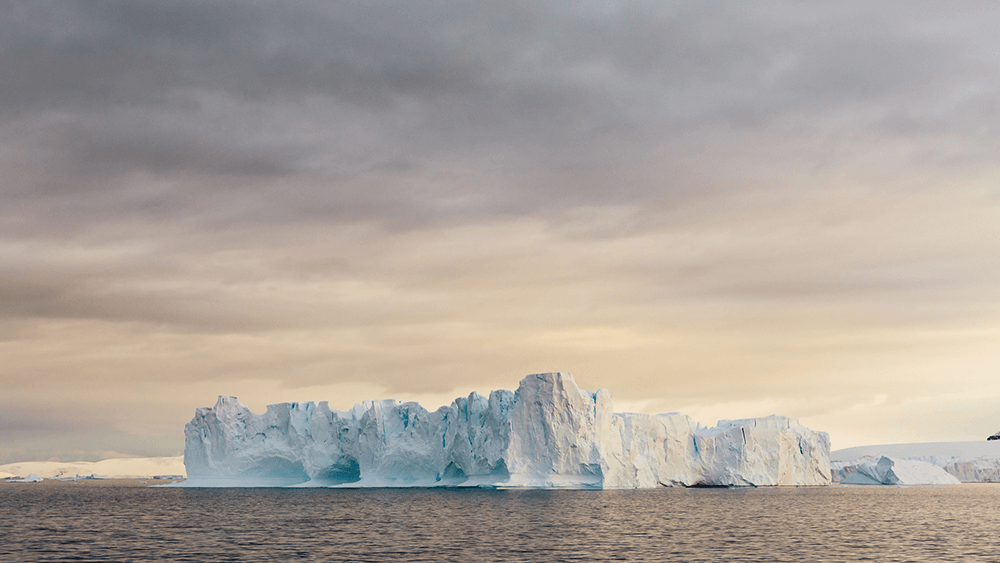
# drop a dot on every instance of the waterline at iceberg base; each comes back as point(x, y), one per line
point(547, 434)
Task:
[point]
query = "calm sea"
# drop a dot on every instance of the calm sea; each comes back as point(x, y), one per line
point(66, 522)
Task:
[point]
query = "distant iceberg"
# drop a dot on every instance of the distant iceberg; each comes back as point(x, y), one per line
point(547, 434)
point(969, 462)
point(890, 471)
point(33, 478)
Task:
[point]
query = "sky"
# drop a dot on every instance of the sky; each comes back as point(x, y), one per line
point(726, 209)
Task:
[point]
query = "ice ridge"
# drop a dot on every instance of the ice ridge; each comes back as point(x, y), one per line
point(547, 434)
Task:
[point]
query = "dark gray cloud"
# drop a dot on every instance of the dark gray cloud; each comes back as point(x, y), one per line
point(203, 115)
point(307, 91)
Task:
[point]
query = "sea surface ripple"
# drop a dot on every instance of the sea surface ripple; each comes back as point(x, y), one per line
point(60, 522)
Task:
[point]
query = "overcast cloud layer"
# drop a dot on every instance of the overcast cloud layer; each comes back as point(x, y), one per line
point(723, 209)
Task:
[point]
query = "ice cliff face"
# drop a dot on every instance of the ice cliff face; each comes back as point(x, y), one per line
point(549, 433)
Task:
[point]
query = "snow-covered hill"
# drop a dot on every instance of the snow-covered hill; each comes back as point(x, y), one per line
point(113, 468)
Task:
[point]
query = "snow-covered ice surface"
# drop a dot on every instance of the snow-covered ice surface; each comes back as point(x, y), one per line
point(114, 468)
point(969, 462)
point(547, 434)
point(890, 471)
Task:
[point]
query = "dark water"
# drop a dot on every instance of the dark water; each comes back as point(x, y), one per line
point(60, 522)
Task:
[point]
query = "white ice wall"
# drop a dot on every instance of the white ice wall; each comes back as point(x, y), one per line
point(549, 433)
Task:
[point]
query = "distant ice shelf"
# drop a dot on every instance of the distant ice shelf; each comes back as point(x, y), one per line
point(547, 434)
point(116, 468)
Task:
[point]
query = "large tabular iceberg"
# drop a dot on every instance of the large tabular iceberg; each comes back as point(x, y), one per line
point(548, 433)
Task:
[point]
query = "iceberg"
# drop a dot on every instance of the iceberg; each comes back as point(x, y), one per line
point(891, 471)
point(975, 471)
point(548, 433)
point(970, 462)
point(32, 478)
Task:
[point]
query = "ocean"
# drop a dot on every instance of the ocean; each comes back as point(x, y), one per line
point(120, 521)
